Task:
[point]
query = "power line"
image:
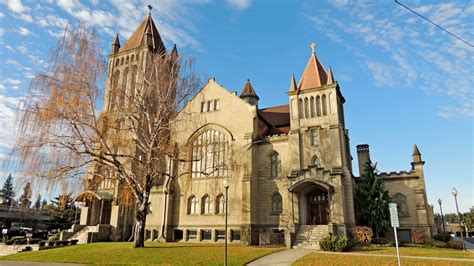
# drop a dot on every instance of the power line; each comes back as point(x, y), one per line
point(423, 17)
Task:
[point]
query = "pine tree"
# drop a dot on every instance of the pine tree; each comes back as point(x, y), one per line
point(25, 198)
point(62, 212)
point(7, 193)
point(38, 202)
point(372, 201)
point(44, 203)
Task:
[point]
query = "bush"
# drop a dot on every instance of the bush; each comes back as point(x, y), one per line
point(73, 242)
point(28, 248)
point(57, 243)
point(50, 243)
point(335, 243)
point(439, 244)
point(380, 241)
point(458, 233)
point(445, 237)
point(454, 244)
point(64, 243)
point(418, 237)
point(34, 241)
point(362, 234)
point(9, 242)
point(41, 243)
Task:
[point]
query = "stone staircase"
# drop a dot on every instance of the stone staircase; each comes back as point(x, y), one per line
point(83, 235)
point(308, 236)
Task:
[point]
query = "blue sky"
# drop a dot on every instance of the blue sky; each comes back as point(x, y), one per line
point(404, 80)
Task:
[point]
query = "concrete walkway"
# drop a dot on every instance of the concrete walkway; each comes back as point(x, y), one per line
point(282, 258)
point(289, 256)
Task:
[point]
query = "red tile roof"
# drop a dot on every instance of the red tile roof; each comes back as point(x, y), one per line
point(314, 74)
point(138, 37)
point(248, 90)
point(274, 120)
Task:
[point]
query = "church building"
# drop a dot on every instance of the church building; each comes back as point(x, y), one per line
point(290, 174)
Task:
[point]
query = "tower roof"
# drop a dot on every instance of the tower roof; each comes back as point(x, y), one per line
point(416, 151)
point(331, 77)
point(138, 38)
point(314, 74)
point(293, 86)
point(248, 90)
point(117, 40)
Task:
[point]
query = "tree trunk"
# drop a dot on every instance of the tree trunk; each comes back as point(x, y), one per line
point(140, 222)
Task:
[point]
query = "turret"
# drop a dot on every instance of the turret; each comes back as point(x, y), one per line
point(417, 163)
point(248, 94)
point(116, 45)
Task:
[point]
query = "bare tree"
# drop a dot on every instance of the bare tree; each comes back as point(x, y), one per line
point(63, 137)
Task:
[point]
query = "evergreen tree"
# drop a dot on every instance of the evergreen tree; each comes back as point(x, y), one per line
point(25, 198)
point(38, 202)
point(7, 193)
point(372, 201)
point(44, 203)
point(62, 211)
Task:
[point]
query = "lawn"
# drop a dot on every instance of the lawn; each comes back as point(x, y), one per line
point(418, 251)
point(154, 253)
point(342, 259)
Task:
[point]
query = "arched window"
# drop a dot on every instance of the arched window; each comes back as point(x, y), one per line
point(206, 204)
point(277, 204)
point(318, 105)
point(126, 60)
point(401, 201)
point(325, 108)
point(314, 137)
point(193, 205)
point(300, 109)
point(132, 58)
point(306, 108)
point(313, 108)
point(275, 164)
point(220, 204)
point(210, 153)
point(115, 88)
point(122, 91)
point(133, 81)
point(121, 61)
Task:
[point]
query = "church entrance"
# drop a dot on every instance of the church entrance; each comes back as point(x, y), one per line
point(318, 207)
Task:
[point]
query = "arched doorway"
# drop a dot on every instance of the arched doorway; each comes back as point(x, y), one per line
point(318, 207)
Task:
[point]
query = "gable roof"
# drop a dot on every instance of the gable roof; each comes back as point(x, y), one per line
point(138, 38)
point(274, 120)
point(314, 74)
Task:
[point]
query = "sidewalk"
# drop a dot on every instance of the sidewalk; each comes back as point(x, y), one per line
point(282, 258)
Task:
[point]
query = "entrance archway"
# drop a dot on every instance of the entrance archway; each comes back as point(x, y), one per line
point(314, 201)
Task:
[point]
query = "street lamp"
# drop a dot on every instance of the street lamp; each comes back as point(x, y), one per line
point(455, 194)
point(442, 217)
point(226, 186)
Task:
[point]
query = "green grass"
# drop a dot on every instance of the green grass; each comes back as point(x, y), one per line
point(153, 253)
point(342, 259)
point(418, 251)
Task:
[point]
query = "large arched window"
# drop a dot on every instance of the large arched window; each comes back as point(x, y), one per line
point(123, 89)
point(113, 91)
point(193, 205)
point(133, 81)
point(206, 204)
point(313, 108)
point(401, 201)
point(210, 153)
point(300, 109)
point(277, 204)
point(325, 108)
point(220, 204)
point(318, 105)
point(306, 108)
point(275, 162)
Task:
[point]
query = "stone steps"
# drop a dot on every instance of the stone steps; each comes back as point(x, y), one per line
point(309, 236)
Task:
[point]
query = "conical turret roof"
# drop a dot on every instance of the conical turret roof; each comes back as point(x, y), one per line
point(314, 74)
point(138, 38)
point(248, 90)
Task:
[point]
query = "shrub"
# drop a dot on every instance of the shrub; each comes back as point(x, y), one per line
point(439, 244)
point(362, 234)
point(458, 233)
point(454, 244)
point(380, 240)
point(28, 248)
point(20, 241)
point(64, 243)
point(335, 243)
point(73, 242)
point(445, 237)
point(41, 243)
point(50, 243)
point(34, 241)
point(57, 243)
point(9, 242)
point(418, 237)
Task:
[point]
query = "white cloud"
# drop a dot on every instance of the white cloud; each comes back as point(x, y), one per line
point(2, 15)
point(24, 31)
point(17, 7)
point(240, 4)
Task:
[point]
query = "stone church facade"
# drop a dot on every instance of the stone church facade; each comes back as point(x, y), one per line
point(289, 167)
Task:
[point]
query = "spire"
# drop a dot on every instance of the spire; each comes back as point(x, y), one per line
point(330, 77)
point(174, 52)
point(248, 94)
point(116, 45)
point(145, 34)
point(293, 86)
point(416, 151)
point(314, 74)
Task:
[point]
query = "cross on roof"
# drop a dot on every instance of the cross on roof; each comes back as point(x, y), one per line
point(313, 46)
point(150, 7)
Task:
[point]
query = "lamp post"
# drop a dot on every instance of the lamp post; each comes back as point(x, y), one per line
point(226, 186)
point(442, 217)
point(455, 194)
